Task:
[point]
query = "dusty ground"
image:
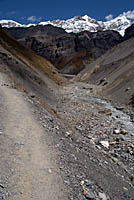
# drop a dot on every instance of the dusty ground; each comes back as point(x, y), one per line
point(67, 159)
point(108, 170)
point(28, 168)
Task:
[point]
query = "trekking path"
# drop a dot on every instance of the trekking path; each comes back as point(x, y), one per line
point(27, 162)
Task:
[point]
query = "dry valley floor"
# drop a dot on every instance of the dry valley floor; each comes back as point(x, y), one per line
point(84, 150)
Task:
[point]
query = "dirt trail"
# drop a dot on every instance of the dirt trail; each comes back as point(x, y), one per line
point(27, 159)
point(31, 138)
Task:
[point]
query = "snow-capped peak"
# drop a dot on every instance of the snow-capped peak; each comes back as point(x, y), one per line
point(119, 24)
point(10, 23)
point(78, 23)
point(75, 24)
point(86, 17)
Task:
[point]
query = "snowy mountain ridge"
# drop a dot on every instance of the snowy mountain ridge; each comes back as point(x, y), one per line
point(78, 24)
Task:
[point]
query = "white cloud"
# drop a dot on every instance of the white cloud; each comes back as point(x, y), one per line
point(129, 14)
point(10, 13)
point(23, 18)
point(109, 17)
point(34, 19)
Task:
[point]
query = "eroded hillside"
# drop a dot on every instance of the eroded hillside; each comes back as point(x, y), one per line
point(114, 71)
point(30, 72)
point(70, 53)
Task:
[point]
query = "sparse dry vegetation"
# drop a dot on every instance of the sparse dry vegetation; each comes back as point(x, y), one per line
point(29, 58)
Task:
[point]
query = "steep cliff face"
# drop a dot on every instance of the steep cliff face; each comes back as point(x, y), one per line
point(67, 51)
point(52, 48)
point(129, 32)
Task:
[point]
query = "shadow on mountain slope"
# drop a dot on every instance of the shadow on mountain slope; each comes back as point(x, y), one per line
point(65, 50)
point(29, 71)
point(114, 72)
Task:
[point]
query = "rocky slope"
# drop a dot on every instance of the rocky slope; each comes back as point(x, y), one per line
point(29, 71)
point(129, 32)
point(101, 143)
point(114, 71)
point(68, 52)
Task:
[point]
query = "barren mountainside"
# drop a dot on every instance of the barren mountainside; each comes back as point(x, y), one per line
point(68, 52)
point(29, 71)
point(114, 71)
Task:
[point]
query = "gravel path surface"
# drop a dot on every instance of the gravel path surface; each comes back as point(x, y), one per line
point(83, 149)
point(27, 162)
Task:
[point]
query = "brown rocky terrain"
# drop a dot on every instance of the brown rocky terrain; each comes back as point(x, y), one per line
point(68, 52)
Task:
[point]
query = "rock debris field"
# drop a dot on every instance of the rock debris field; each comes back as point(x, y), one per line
point(82, 150)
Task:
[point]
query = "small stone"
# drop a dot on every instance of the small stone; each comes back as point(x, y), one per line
point(33, 96)
point(105, 144)
point(89, 194)
point(116, 131)
point(127, 89)
point(125, 188)
point(50, 171)
point(88, 183)
point(2, 186)
point(131, 178)
point(122, 138)
point(101, 81)
point(82, 183)
point(84, 88)
point(119, 108)
point(98, 147)
point(123, 132)
point(117, 140)
point(102, 196)
point(106, 112)
point(68, 133)
point(57, 127)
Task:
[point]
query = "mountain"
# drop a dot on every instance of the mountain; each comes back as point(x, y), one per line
point(113, 72)
point(10, 23)
point(129, 32)
point(69, 52)
point(78, 24)
point(29, 72)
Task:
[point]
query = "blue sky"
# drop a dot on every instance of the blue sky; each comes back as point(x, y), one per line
point(31, 11)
